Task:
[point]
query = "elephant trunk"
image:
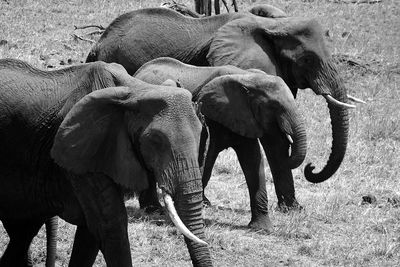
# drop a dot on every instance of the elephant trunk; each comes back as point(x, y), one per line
point(328, 82)
point(299, 145)
point(190, 208)
point(188, 198)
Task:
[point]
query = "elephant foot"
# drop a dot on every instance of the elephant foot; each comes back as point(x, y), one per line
point(262, 222)
point(287, 207)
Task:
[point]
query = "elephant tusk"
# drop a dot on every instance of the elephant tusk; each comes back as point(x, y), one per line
point(355, 99)
point(335, 102)
point(169, 205)
point(289, 138)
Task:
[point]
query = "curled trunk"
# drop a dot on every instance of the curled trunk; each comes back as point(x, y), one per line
point(299, 145)
point(327, 81)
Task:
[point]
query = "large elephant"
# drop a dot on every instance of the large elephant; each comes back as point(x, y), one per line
point(72, 141)
point(292, 48)
point(239, 105)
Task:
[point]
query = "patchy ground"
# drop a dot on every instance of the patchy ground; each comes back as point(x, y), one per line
point(336, 227)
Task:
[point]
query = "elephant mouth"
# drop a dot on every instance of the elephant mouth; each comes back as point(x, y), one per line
point(336, 102)
point(289, 138)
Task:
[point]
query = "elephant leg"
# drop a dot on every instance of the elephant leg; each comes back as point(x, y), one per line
point(251, 161)
point(276, 149)
point(217, 7)
point(148, 199)
point(21, 234)
point(85, 249)
point(217, 144)
point(212, 155)
point(103, 205)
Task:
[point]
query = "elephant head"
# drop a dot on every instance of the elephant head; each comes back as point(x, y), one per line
point(252, 105)
point(129, 133)
point(249, 102)
point(294, 49)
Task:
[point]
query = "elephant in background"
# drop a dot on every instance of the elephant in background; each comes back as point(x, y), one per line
point(292, 48)
point(205, 6)
point(263, 10)
point(239, 106)
point(74, 139)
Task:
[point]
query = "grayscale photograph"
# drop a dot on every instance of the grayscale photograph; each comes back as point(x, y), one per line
point(223, 133)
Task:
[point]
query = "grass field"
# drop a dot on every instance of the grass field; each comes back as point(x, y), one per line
point(335, 228)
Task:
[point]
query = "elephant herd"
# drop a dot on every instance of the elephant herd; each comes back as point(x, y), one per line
point(159, 97)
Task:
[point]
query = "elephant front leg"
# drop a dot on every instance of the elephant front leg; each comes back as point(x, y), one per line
point(218, 142)
point(102, 203)
point(85, 249)
point(251, 161)
point(21, 234)
point(276, 148)
point(212, 155)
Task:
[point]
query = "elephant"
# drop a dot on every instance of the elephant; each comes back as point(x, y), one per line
point(238, 105)
point(205, 7)
point(75, 139)
point(292, 48)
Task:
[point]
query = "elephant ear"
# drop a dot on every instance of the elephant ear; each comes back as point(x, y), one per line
point(242, 43)
point(225, 100)
point(93, 138)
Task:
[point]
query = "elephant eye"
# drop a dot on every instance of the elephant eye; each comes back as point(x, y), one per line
point(305, 60)
point(157, 139)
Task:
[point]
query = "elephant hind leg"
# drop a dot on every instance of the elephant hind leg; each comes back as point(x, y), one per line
point(21, 234)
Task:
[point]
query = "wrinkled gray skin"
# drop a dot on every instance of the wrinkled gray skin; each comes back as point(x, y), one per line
point(292, 48)
point(236, 102)
point(103, 139)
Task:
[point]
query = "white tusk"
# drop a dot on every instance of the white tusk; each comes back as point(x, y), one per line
point(289, 138)
point(169, 205)
point(335, 102)
point(355, 99)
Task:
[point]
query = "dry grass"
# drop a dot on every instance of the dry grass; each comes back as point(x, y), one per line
point(334, 229)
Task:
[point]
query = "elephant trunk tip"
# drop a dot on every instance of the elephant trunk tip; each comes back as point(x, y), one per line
point(314, 177)
point(309, 174)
